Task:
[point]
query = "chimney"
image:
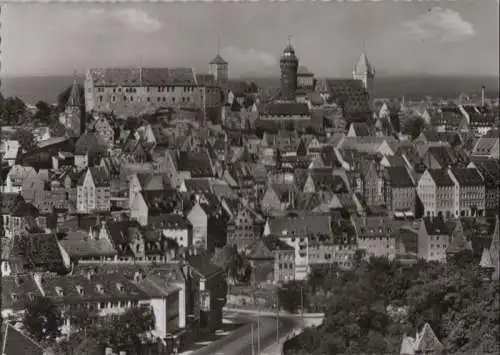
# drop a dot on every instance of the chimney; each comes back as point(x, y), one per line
point(483, 95)
point(108, 351)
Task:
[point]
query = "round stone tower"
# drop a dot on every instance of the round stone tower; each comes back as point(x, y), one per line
point(289, 64)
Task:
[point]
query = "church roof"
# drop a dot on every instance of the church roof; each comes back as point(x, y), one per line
point(218, 60)
point(74, 99)
point(364, 65)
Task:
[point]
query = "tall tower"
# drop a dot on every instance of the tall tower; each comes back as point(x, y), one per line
point(289, 64)
point(72, 116)
point(219, 68)
point(365, 72)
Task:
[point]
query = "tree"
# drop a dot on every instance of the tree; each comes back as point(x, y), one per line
point(26, 139)
point(43, 319)
point(43, 112)
point(292, 296)
point(82, 318)
point(130, 330)
point(413, 126)
point(57, 129)
point(13, 111)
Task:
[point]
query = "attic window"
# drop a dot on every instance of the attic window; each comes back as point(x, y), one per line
point(120, 287)
point(99, 288)
point(15, 297)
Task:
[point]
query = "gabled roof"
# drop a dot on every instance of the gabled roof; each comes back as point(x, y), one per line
point(79, 244)
point(283, 109)
point(361, 129)
point(467, 176)
point(202, 265)
point(15, 342)
point(301, 225)
point(18, 291)
point(399, 177)
point(441, 177)
point(143, 76)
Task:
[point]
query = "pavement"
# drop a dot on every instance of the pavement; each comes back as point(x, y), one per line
point(243, 338)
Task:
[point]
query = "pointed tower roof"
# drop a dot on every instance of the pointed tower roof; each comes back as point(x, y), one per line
point(218, 60)
point(458, 240)
point(495, 249)
point(427, 341)
point(289, 51)
point(486, 261)
point(364, 65)
point(74, 99)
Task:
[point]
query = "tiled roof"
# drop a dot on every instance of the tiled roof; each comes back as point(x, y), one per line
point(349, 94)
point(283, 109)
point(71, 289)
point(399, 177)
point(89, 143)
point(197, 163)
point(484, 146)
point(302, 225)
point(441, 177)
point(15, 342)
point(374, 226)
point(79, 244)
point(198, 185)
point(170, 221)
point(143, 76)
point(202, 265)
point(163, 201)
point(443, 154)
point(18, 291)
point(361, 129)
point(467, 177)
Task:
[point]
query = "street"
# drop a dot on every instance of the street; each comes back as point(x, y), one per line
point(242, 345)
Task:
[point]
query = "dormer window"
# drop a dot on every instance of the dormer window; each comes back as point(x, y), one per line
point(99, 288)
point(120, 287)
point(59, 291)
point(80, 290)
point(14, 297)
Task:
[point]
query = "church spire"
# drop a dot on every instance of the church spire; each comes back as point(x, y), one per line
point(74, 99)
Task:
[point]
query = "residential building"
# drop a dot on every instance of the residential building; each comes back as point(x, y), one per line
point(150, 204)
point(104, 128)
point(298, 231)
point(399, 191)
point(273, 261)
point(93, 191)
point(470, 192)
point(433, 239)
point(490, 171)
point(244, 226)
point(16, 177)
point(436, 191)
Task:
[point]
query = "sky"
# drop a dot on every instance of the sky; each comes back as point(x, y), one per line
point(400, 37)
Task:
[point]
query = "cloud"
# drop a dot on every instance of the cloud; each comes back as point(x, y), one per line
point(248, 59)
point(99, 20)
point(135, 19)
point(444, 25)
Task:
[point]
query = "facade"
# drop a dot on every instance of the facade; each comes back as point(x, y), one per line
point(272, 260)
point(400, 192)
point(436, 191)
point(93, 192)
point(470, 192)
point(129, 91)
point(433, 239)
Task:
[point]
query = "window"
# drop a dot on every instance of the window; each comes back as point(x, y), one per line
point(102, 305)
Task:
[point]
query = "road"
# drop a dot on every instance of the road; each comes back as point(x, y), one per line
point(242, 344)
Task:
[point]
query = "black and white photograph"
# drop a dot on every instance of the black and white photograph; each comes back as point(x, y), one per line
point(250, 177)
